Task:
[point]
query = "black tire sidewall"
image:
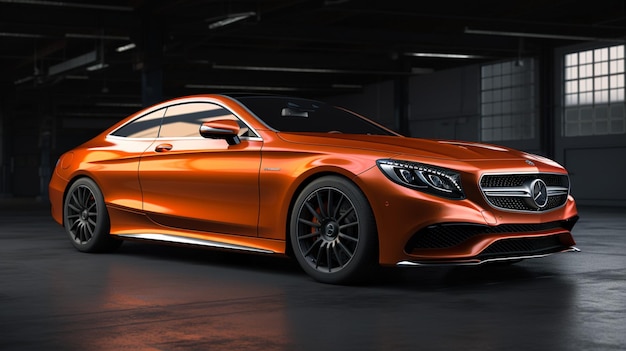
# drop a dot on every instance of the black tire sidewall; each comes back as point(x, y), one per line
point(101, 240)
point(364, 259)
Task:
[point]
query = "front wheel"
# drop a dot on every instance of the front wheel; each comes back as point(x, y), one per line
point(333, 231)
point(86, 219)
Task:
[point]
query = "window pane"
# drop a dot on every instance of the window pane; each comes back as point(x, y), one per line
point(146, 126)
point(571, 99)
point(497, 70)
point(486, 71)
point(586, 71)
point(510, 93)
point(601, 54)
point(594, 79)
point(184, 121)
point(571, 73)
point(571, 59)
point(617, 52)
point(601, 96)
point(585, 57)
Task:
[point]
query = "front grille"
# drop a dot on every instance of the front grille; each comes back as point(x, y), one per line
point(511, 203)
point(448, 235)
point(515, 192)
point(523, 246)
point(512, 180)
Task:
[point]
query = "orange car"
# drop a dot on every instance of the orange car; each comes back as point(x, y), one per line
point(281, 175)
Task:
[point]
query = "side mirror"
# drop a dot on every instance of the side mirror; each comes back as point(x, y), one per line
point(226, 129)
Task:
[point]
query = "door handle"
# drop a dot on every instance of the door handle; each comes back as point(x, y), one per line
point(163, 147)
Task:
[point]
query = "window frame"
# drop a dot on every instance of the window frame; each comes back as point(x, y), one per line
point(513, 84)
point(255, 137)
point(590, 66)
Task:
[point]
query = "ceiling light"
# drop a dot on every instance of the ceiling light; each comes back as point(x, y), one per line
point(78, 61)
point(277, 69)
point(539, 35)
point(23, 80)
point(70, 4)
point(125, 47)
point(117, 104)
point(96, 36)
point(314, 70)
point(270, 89)
point(442, 55)
point(22, 35)
point(232, 18)
point(239, 87)
point(97, 66)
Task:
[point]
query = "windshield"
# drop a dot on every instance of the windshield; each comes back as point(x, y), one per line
point(301, 115)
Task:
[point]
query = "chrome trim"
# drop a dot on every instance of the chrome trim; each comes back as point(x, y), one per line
point(179, 101)
point(126, 138)
point(193, 241)
point(477, 262)
point(523, 191)
point(176, 138)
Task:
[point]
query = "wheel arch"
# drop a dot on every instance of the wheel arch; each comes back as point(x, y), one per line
point(71, 182)
point(298, 190)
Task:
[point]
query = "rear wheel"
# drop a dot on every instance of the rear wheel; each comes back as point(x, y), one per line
point(86, 219)
point(333, 232)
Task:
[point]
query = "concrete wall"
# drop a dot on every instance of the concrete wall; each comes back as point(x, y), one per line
point(445, 104)
point(3, 185)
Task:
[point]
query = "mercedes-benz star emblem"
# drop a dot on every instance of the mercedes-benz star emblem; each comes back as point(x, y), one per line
point(330, 229)
point(539, 193)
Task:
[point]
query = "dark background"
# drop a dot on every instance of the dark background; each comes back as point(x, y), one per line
point(64, 78)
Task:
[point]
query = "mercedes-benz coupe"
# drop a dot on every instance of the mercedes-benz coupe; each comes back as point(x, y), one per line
point(291, 176)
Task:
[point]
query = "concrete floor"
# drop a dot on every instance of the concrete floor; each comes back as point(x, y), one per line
point(169, 298)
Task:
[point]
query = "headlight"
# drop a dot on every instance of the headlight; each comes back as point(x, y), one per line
point(426, 178)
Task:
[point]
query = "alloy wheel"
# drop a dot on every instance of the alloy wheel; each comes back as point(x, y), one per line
point(328, 230)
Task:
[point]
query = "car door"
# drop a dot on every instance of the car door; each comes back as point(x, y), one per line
point(117, 175)
point(194, 183)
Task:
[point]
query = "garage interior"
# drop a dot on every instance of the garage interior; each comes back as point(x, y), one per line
point(546, 77)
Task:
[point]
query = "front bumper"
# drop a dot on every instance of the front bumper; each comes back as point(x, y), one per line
point(479, 261)
point(403, 214)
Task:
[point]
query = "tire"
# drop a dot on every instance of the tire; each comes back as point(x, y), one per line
point(333, 231)
point(86, 219)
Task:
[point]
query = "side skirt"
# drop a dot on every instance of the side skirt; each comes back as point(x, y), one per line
point(192, 241)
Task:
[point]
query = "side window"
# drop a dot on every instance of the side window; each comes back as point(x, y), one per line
point(184, 120)
point(146, 126)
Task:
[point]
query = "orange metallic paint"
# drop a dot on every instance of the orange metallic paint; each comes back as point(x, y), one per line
point(242, 194)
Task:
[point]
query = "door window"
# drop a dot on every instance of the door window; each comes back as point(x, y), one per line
point(146, 126)
point(184, 120)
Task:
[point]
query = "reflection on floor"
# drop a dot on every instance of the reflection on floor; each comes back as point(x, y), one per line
point(171, 298)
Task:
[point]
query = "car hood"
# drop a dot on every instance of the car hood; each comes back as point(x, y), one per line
point(440, 149)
